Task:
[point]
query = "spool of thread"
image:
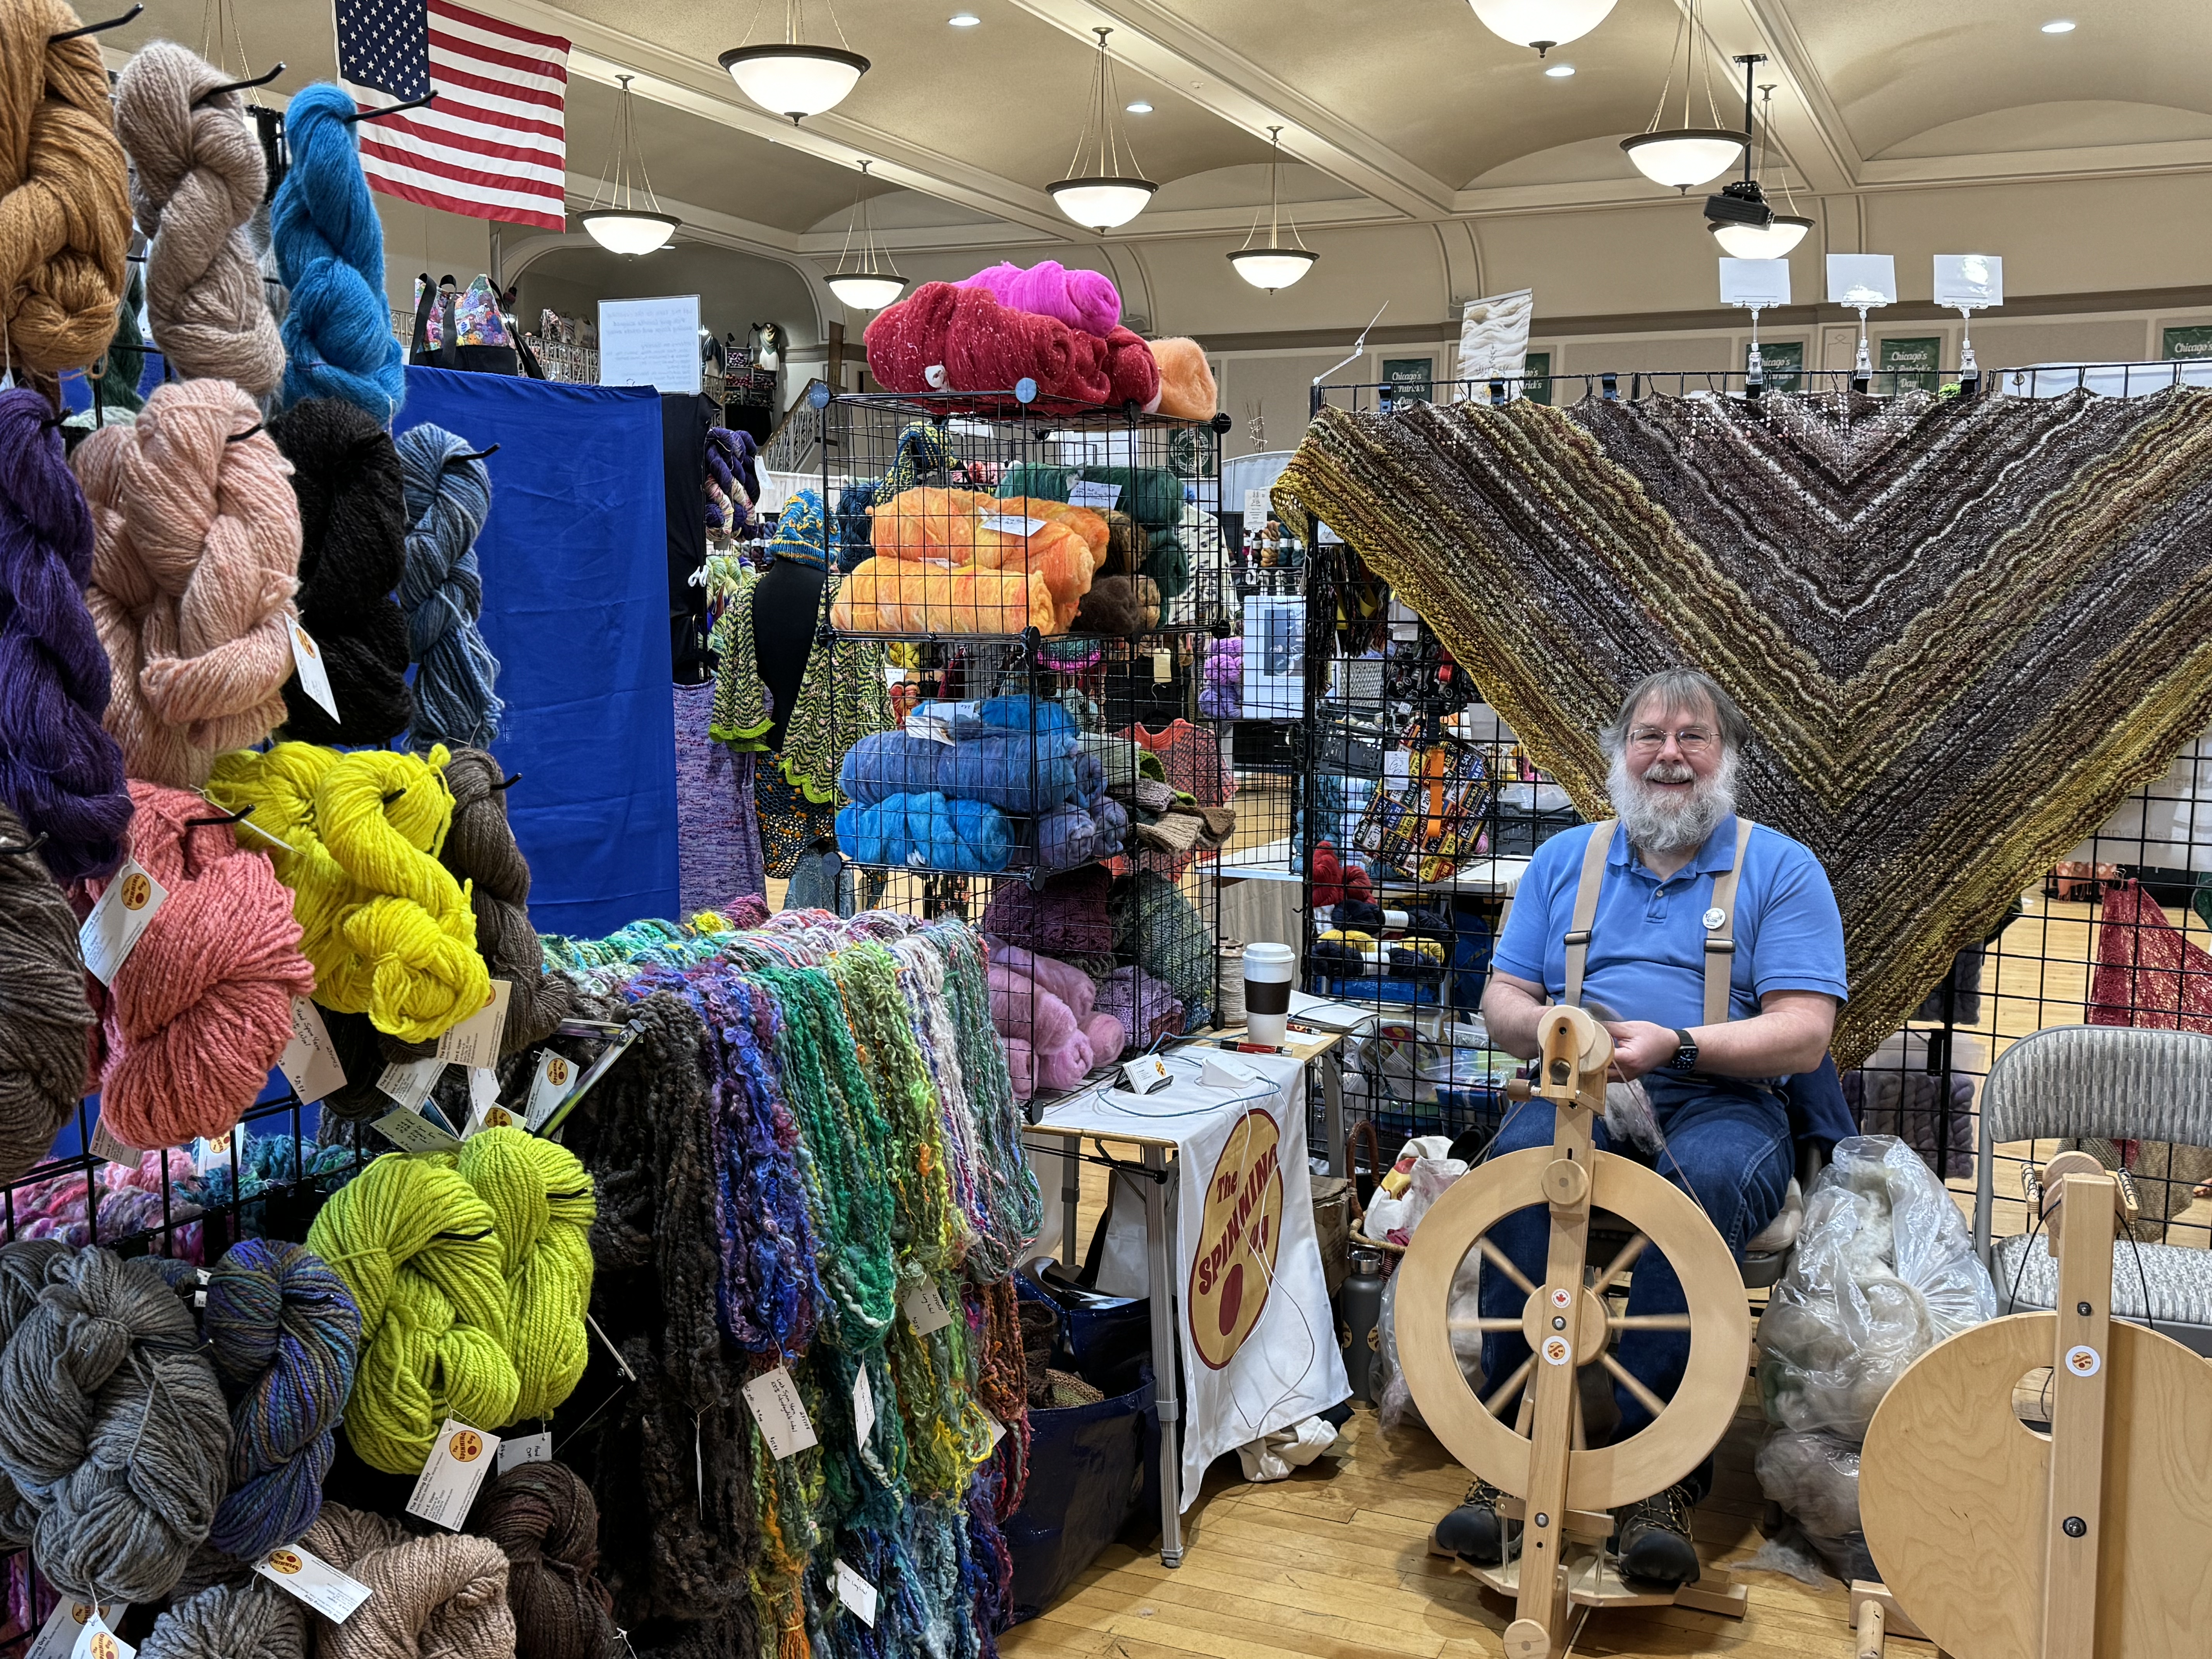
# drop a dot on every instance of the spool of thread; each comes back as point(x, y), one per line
point(448, 500)
point(542, 1207)
point(285, 1336)
point(60, 767)
point(480, 849)
point(197, 176)
point(62, 238)
point(544, 1520)
point(444, 1596)
point(1229, 975)
point(45, 1023)
point(202, 1007)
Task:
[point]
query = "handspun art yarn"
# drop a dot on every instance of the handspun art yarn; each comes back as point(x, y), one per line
point(196, 556)
point(542, 1208)
point(418, 1247)
point(285, 1336)
point(64, 207)
point(438, 1597)
point(448, 499)
point(337, 333)
point(250, 1618)
point(352, 526)
point(58, 767)
point(480, 849)
point(115, 1442)
point(202, 1007)
point(197, 176)
point(544, 1520)
point(46, 1024)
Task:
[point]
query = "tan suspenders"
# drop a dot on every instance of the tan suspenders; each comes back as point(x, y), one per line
point(1720, 939)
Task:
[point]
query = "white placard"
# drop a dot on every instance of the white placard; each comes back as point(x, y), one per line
point(456, 1468)
point(314, 678)
point(651, 342)
point(1146, 1074)
point(213, 1152)
point(1255, 509)
point(781, 1414)
point(58, 1636)
point(925, 1308)
point(857, 1594)
point(96, 1641)
point(314, 1581)
point(484, 1110)
point(105, 1145)
point(863, 1408)
point(1969, 281)
point(116, 922)
point(1098, 497)
point(994, 1428)
point(525, 1449)
point(409, 1082)
point(549, 1086)
point(409, 1130)
point(309, 1063)
point(1861, 279)
point(1007, 525)
point(475, 1041)
point(1754, 281)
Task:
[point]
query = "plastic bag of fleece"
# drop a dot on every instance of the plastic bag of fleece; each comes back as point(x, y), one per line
point(1018, 756)
point(1393, 1401)
point(1884, 1270)
point(926, 831)
point(969, 527)
point(890, 596)
point(1048, 1045)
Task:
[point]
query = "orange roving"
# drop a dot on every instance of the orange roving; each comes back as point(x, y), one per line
point(967, 528)
point(888, 596)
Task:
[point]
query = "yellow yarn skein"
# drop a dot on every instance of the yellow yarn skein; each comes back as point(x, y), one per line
point(542, 1206)
point(279, 785)
point(418, 1249)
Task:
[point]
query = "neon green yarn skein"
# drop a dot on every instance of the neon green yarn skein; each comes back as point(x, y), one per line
point(542, 1207)
point(420, 1252)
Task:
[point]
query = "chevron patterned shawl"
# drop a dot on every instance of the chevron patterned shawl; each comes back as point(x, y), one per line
point(1964, 630)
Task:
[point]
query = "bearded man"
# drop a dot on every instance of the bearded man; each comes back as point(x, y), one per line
point(1730, 1095)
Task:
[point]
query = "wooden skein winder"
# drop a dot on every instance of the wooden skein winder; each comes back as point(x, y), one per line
point(1565, 1488)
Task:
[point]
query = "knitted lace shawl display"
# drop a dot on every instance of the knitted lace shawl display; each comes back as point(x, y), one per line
point(843, 697)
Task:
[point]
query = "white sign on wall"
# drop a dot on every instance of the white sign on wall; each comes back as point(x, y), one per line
point(651, 342)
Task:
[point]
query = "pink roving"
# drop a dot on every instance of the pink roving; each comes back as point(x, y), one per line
point(1082, 300)
point(1021, 1065)
point(202, 1007)
point(1024, 1011)
point(1071, 985)
point(1104, 1034)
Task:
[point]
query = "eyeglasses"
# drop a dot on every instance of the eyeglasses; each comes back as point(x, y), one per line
point(1690, 739)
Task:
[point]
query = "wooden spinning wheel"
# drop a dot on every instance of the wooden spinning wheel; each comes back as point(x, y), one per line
point(1542, 1457)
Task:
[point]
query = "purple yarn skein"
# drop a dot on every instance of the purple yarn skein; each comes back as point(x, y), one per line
point(58, 768)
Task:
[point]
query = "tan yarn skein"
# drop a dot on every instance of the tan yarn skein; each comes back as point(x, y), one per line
point(196, 556)
point(64, 206)
point(438, 1597)
point(197, 176)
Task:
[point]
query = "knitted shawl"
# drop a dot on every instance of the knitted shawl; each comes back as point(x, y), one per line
point(843, 697)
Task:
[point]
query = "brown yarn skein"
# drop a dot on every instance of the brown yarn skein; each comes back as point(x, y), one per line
point(45, 1023)
point(480, 848)
point(197, 176)
point(543, 1516)
point(65, 204)
point(442, 1597)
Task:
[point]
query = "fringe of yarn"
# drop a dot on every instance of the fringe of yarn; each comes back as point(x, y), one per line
point(448, 500)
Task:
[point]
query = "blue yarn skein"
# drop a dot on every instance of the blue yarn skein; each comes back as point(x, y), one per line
point(337, 333)
point(448, 500)
point(285, 1337)
point(926, 831)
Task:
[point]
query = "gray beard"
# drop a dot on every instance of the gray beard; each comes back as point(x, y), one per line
point(1657, 823)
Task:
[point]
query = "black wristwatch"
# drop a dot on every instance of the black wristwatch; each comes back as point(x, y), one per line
point(1686, 1053)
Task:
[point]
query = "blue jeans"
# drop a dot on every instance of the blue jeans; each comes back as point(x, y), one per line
point(1731, 1142)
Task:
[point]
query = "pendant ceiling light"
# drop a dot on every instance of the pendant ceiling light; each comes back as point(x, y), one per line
point(1686, 155)
point(626, 224)
point(871, 284)
point(795, 79)
point(1543, 24)
point(1274, 265)
point(1105, 197)
point(1741, 218)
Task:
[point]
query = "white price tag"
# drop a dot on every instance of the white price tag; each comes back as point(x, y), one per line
point(214, 1153)
point(549, 1086)
point(457, 1464)
point(1006, 525)
point(309, 1063)
point(96, 1641)
point(525, 1449)
point(1099, 497)
point(475, 1041)
point(925, 1308)
point(1146, 1074)
point(863, 1408)
point(1255, 508)
point(781, 1414)
point(484, 1110)
point(1162, 666)
point(314, 677)
point(894, 675)
point(314, 1581)
point(1398, 765)
point(857, 1594)
point(410, 1082)
point(116, 922)
point(105, 1144)
point(411, 1131)
point(58, 1637)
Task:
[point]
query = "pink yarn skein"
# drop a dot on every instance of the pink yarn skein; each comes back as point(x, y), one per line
point(1082, 300)
point(1024, 1011)
point(196, 559)
point(1073, 987)
point(203, 1006)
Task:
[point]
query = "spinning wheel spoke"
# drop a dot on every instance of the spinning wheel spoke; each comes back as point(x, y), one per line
point(1627, 1379)
point(1679, 1322)
point(1459, 1326)
point(1498, 1258)
point(1512, 1387)
point(1581, 1441)
point(1620, 1264)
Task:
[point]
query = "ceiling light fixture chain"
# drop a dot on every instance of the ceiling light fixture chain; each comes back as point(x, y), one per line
point(623, 226)
point(1107, 196)
point(1687, 155)
point(874, 284)
point(1274, 265)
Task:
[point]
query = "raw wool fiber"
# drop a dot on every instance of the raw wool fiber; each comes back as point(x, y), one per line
point(285, 1337)
point(58, 767)
point(1965, 629)
point(113, 1448)
point(46, 1024)
point(448, 499)
point(480, 850)
point(197, 176)
point(64, 203)
point(541, 1205)
point(200, 1011)
point(249, 1620)
point(196, 558)
point(353, 524)
point(337, 333)
point(544, 1520)
point(443, 1596)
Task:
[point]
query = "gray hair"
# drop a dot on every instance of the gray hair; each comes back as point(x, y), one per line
point(1683, 688)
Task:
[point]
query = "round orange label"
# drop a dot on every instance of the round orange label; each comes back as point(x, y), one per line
point(137, 890)
point(284, 1561)
point(497, 1118)
point(306, 646)
point(466, 1447)
point(79, 1611)
point(556, 1071)
point(1239, 1236)
point(102, 1646)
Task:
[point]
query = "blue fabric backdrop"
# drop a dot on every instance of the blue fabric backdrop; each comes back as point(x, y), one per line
point(575, 579)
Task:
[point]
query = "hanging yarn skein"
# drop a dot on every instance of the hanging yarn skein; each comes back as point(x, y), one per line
point(285, 1336)
point(542, 1206)
point(196, 556)
point(353, 550)
point(337, 333)
point(480, 849)
point(64, 202)
point(197, 176)
point(46, 1024)
point(60, 767)
point(544, 1520)
point(441, 1597)
point(250, 1620)
point(202, 1007)
point(448, 499)
point(116, 1437)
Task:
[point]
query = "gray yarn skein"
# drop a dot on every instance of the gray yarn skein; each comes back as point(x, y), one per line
point(116, 1435)
point(250, 1621)
point(45, 1019)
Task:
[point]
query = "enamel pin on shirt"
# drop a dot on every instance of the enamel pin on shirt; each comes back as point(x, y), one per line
point(1713, 918)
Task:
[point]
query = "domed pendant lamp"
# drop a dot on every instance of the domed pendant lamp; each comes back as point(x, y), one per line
point(1741, 218)
point(1686, 155)
point(793, 78)
point(1274, 265)
point(623, 225)
point(871, 284)
point(1541, 24)
point(1105, 197)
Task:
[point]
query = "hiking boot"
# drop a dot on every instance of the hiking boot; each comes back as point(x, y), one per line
point(1651, 1540)
point(1478, 1531)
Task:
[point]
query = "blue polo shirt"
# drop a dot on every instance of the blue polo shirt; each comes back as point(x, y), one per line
point(1647, 949)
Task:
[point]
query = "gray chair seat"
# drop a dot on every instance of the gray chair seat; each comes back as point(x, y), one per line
point(2179, 1280)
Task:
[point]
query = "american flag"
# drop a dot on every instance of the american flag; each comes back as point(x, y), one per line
point(494, 144)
